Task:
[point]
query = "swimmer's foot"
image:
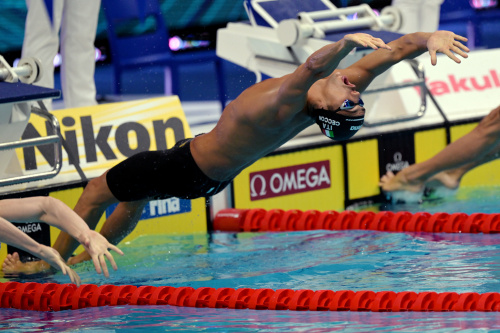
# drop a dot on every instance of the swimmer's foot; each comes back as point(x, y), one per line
point(84, 256)
point(399, 189)
point(392, 183)
point(13, 265)
point(442, 185)
point(448, 179)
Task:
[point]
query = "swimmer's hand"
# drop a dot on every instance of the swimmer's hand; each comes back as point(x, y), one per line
point(365, 40)
point(53, 257)
point(97, 247)
point(448, 43)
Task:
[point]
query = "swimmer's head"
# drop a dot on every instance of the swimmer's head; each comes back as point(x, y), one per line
point(336, 106)
point(338, 125)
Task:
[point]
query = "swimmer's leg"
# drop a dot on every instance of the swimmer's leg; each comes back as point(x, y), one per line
point(450, 179)
point(476, 147)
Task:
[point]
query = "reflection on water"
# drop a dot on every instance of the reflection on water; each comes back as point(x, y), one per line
point(168, 318)
point(334, 260)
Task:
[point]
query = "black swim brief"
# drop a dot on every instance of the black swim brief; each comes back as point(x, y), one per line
point(160, 175)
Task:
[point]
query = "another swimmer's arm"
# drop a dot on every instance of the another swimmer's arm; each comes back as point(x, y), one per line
point(55, 213)
point(11, 235)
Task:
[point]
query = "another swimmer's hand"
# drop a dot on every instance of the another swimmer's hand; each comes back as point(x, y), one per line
point(448, 43)
point(53, 257)
point(97, 247)
point(365, 40)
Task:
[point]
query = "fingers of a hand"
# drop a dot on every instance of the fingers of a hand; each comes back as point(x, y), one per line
point(111, 260)
point(104, 266)
point(433, 58)
point(462, 46)
point(372, 45)
point(63, 267)
point(380, 43)
point(95, 260)
point(464, 39)
point(451, 56)
point(460, 52)
point(75, 278)
point(116, 249)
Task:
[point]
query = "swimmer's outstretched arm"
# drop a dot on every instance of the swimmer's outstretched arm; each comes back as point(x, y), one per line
point(9, 234)
point(57, 214)
point(320, 64)
point(409, 46)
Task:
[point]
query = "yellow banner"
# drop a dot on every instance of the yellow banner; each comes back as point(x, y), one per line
point(101, 136)
point(308, 179)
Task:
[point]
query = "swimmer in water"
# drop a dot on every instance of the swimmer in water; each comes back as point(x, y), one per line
point(57, 214)
point(447, 168)
point(259, 120)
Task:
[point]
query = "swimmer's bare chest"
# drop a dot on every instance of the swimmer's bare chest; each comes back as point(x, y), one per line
point(249, 128)
point(222, 153)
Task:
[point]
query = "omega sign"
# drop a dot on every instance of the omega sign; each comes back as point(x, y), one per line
point(398, 164)
point(289, 180)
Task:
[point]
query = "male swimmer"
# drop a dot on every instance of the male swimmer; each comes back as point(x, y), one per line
point(258, 121)
point(447, 167)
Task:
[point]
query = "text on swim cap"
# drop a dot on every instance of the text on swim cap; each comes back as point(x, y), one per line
point(329, 121)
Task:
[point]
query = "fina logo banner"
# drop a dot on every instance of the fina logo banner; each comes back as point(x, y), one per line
point(289, 180)
point(160, 207)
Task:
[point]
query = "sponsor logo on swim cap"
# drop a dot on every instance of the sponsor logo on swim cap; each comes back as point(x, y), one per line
point(354, 119)
point(356, 128)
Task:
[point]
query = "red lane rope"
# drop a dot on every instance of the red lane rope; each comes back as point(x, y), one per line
point(258, 219)
point(56, 297)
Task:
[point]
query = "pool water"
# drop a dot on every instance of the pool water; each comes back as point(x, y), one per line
point(333, 260)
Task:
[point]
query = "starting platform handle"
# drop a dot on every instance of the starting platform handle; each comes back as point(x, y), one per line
point(418, 68)
point(28, 70)
point(291, 31)
point(54, 139)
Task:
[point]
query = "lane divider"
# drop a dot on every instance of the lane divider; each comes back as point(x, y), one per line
point(260, 220)
point(57, 297)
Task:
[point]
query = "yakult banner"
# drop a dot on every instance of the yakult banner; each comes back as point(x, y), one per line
point(463, 91)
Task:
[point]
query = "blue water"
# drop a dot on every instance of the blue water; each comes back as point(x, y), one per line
point(334, 260)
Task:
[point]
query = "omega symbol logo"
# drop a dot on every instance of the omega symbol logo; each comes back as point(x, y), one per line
point(398, 163)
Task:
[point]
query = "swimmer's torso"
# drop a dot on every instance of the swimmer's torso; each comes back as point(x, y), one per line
point(250, 127)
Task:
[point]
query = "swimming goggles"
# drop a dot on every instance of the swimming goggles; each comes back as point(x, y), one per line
point(348, 104)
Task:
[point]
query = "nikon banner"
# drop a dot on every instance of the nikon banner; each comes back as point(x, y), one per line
point(101, 136)
point(98, 138)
